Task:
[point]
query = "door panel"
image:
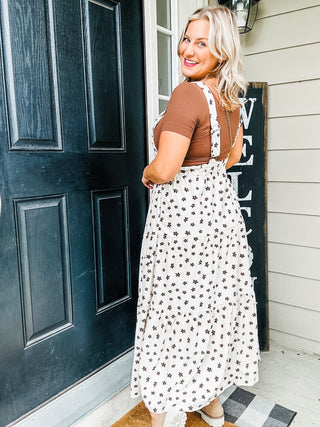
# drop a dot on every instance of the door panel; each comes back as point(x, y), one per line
point(102, 35)
point(72, 150)
point(42, 234)
point(29, 55)
point(111, 247)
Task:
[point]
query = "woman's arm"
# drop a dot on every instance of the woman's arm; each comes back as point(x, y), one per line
point(236, 150)
point(172, 150)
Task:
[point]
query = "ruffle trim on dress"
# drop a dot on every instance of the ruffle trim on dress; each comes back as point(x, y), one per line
point(206, 351)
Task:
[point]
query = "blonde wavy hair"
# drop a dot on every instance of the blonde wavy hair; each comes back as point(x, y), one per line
point(224, 44)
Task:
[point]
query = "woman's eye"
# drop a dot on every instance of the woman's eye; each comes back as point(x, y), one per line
point(185, 39)
point(202, 44)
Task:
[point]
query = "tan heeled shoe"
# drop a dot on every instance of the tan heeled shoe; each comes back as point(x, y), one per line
point(213, 414)
point(171, 419)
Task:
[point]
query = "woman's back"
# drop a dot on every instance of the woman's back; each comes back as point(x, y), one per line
point(188, 114)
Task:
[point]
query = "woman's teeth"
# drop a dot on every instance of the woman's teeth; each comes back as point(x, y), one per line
point(188, 62)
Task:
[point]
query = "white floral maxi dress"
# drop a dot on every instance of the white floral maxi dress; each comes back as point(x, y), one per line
point(196, 331)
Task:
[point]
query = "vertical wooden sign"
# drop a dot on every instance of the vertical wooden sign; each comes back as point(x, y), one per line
point(249, 180)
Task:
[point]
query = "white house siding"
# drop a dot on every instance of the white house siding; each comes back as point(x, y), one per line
point(283, 49)
point(186, 8)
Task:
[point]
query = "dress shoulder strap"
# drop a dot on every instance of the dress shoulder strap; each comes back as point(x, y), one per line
point(215, 127)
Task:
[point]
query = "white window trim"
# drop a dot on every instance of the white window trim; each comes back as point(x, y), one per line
point(180, 10)
point(151, 61)
point(151, 69)
point(175, 40)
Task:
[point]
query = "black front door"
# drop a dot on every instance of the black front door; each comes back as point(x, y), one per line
point(72, 138)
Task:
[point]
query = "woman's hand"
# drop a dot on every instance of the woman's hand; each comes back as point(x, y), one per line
point(146, 181)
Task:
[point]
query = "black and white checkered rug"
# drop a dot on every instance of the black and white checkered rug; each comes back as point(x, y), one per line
point(246, 409)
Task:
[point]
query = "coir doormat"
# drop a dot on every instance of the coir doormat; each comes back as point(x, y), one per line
point(241, 409)
point(139, 417)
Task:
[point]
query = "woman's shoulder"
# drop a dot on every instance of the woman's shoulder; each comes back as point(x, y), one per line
point(188, 91)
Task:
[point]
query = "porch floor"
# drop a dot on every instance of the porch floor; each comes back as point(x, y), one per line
point(289, 377)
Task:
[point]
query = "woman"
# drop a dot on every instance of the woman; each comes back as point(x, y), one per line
point(197, 328)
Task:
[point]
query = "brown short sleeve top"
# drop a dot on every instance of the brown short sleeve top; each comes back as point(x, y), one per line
point(188, 114)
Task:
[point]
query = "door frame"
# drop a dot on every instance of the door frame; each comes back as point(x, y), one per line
point(151, 71)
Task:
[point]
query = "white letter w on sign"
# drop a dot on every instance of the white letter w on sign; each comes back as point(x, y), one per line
point(247, 117)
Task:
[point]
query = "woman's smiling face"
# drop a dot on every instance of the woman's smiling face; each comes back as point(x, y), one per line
point(195, 56)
